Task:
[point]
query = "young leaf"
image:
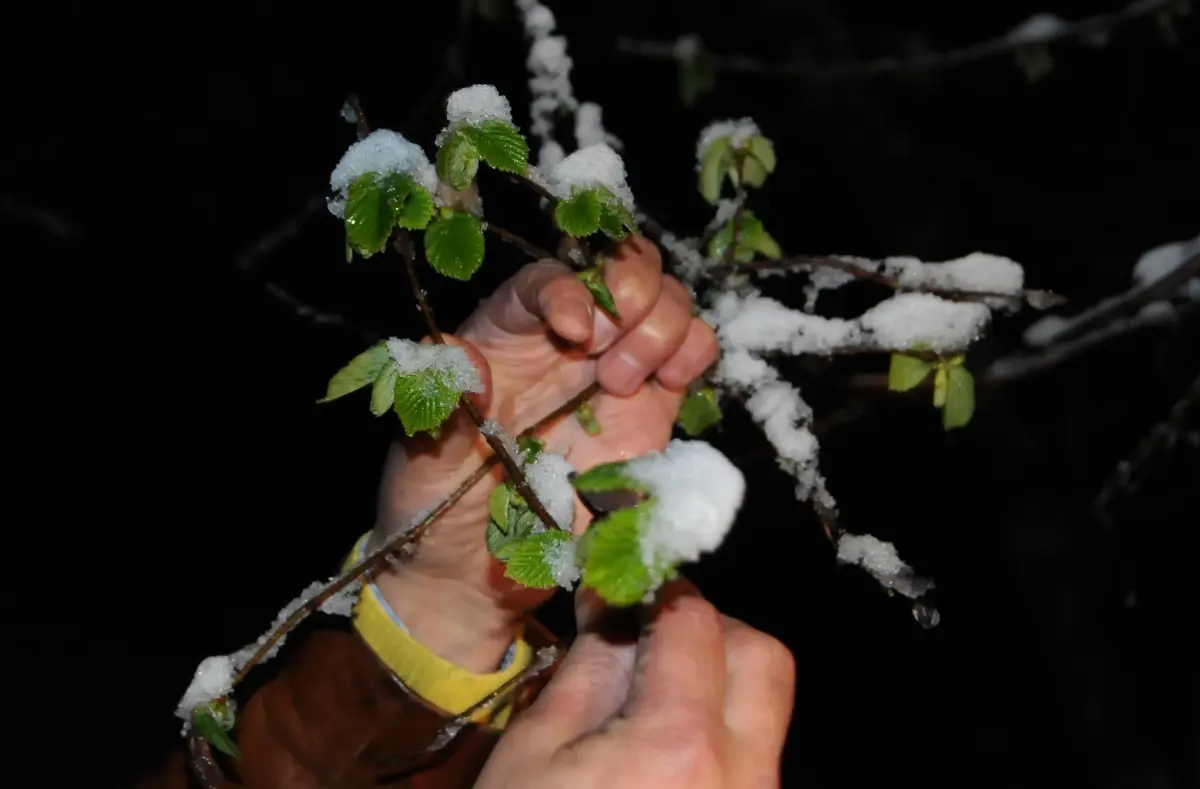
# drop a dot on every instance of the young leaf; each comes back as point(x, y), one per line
point(752, 239)
point(941, 382)
point(763, 151)
point(499, 544)
point(369, 219)
point(587, 419)
point(531, 446)
point(358, 372)
point(454, 244)
point(606, 477)
point(424, 400)
point(713, 167)
point(208, 728)
point(498, 505)
point(383, 391)
point(613, 566)
point(593, 278)
point(499, 144)
point(906, 371)
point(697, 78)
point(579, 214)
point(960, 398)
point(615, 219)
point(410, 203)
point(457, 161)
point(699, 411)
point(527, 564)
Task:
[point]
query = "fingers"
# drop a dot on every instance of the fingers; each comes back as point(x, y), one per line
point(759, 693)
point(546, 292)
point(679, 680)
point(697, 353)
point(634, 276)
point(592, 682)
point(648, 344)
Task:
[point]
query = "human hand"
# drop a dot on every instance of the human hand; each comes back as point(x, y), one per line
point(538, 340)
point(700, 701)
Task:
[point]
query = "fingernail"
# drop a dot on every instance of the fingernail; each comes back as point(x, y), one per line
point(624, 373)
point(604, 331)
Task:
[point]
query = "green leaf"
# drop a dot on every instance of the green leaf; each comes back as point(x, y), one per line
point(410, 203)
point(358, 372)
point(593, 278)
point(1035, 61)
point(615, 219)
point(579, 214)
point(383, 391)
point(697, 78)
point(531, 446)
point(527, 563)
point(753, 239)
point(613, 566)
point(424, 400)
point(499, 144)
point(369, 219)
point(714, 165)
point(457, 161)
point(699, 411)
point(208, 728)
point(906, 371)
point(498, 505)
point(498, 543)
point(960, 398)
point(753, 173)
point(587, 419)
point(763, 152)
point(454, 244)
point(606, 477)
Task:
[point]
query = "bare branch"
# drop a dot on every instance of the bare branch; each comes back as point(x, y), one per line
point(1085, 29)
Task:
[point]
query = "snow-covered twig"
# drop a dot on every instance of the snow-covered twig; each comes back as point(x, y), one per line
point(1041, 29)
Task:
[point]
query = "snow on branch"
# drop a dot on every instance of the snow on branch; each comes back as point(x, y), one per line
point(552, 93)
point(1040, 29)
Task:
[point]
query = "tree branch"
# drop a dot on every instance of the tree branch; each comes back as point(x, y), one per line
point(1089, 28)
point(402, 243)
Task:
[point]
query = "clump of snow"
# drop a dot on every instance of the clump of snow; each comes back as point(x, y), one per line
point(548, 477)
point(213, 679)
point(757, 323)
point(559, 556)
point(977, 272)
point(1037, 28)
point(590, 167)
point(382, 151)
point(881, 560)
point(342, 602)
point(698, 492)
point(908, 319)
point(1156, 263)
point(477, 103)
point(450, 361)
point(739, 131)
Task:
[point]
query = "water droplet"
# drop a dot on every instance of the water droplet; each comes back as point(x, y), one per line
point(926, 614)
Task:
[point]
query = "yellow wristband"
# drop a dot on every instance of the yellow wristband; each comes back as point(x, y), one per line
point(430, 676)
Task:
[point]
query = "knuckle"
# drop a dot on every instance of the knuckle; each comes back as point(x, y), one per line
point(763, 655)
point(686, 749)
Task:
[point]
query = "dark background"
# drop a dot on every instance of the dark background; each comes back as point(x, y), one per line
point(177, 483)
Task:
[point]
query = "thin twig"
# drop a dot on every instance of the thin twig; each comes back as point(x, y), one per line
point(376, 559)
point(1092, 27)
point(507, 236)
point(402, 243)
point(1038, 299)
point(1129, 473)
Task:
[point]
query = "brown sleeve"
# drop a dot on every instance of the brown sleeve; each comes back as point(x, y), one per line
point(334, 717)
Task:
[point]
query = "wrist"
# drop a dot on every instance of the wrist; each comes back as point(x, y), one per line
point(451, 619)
